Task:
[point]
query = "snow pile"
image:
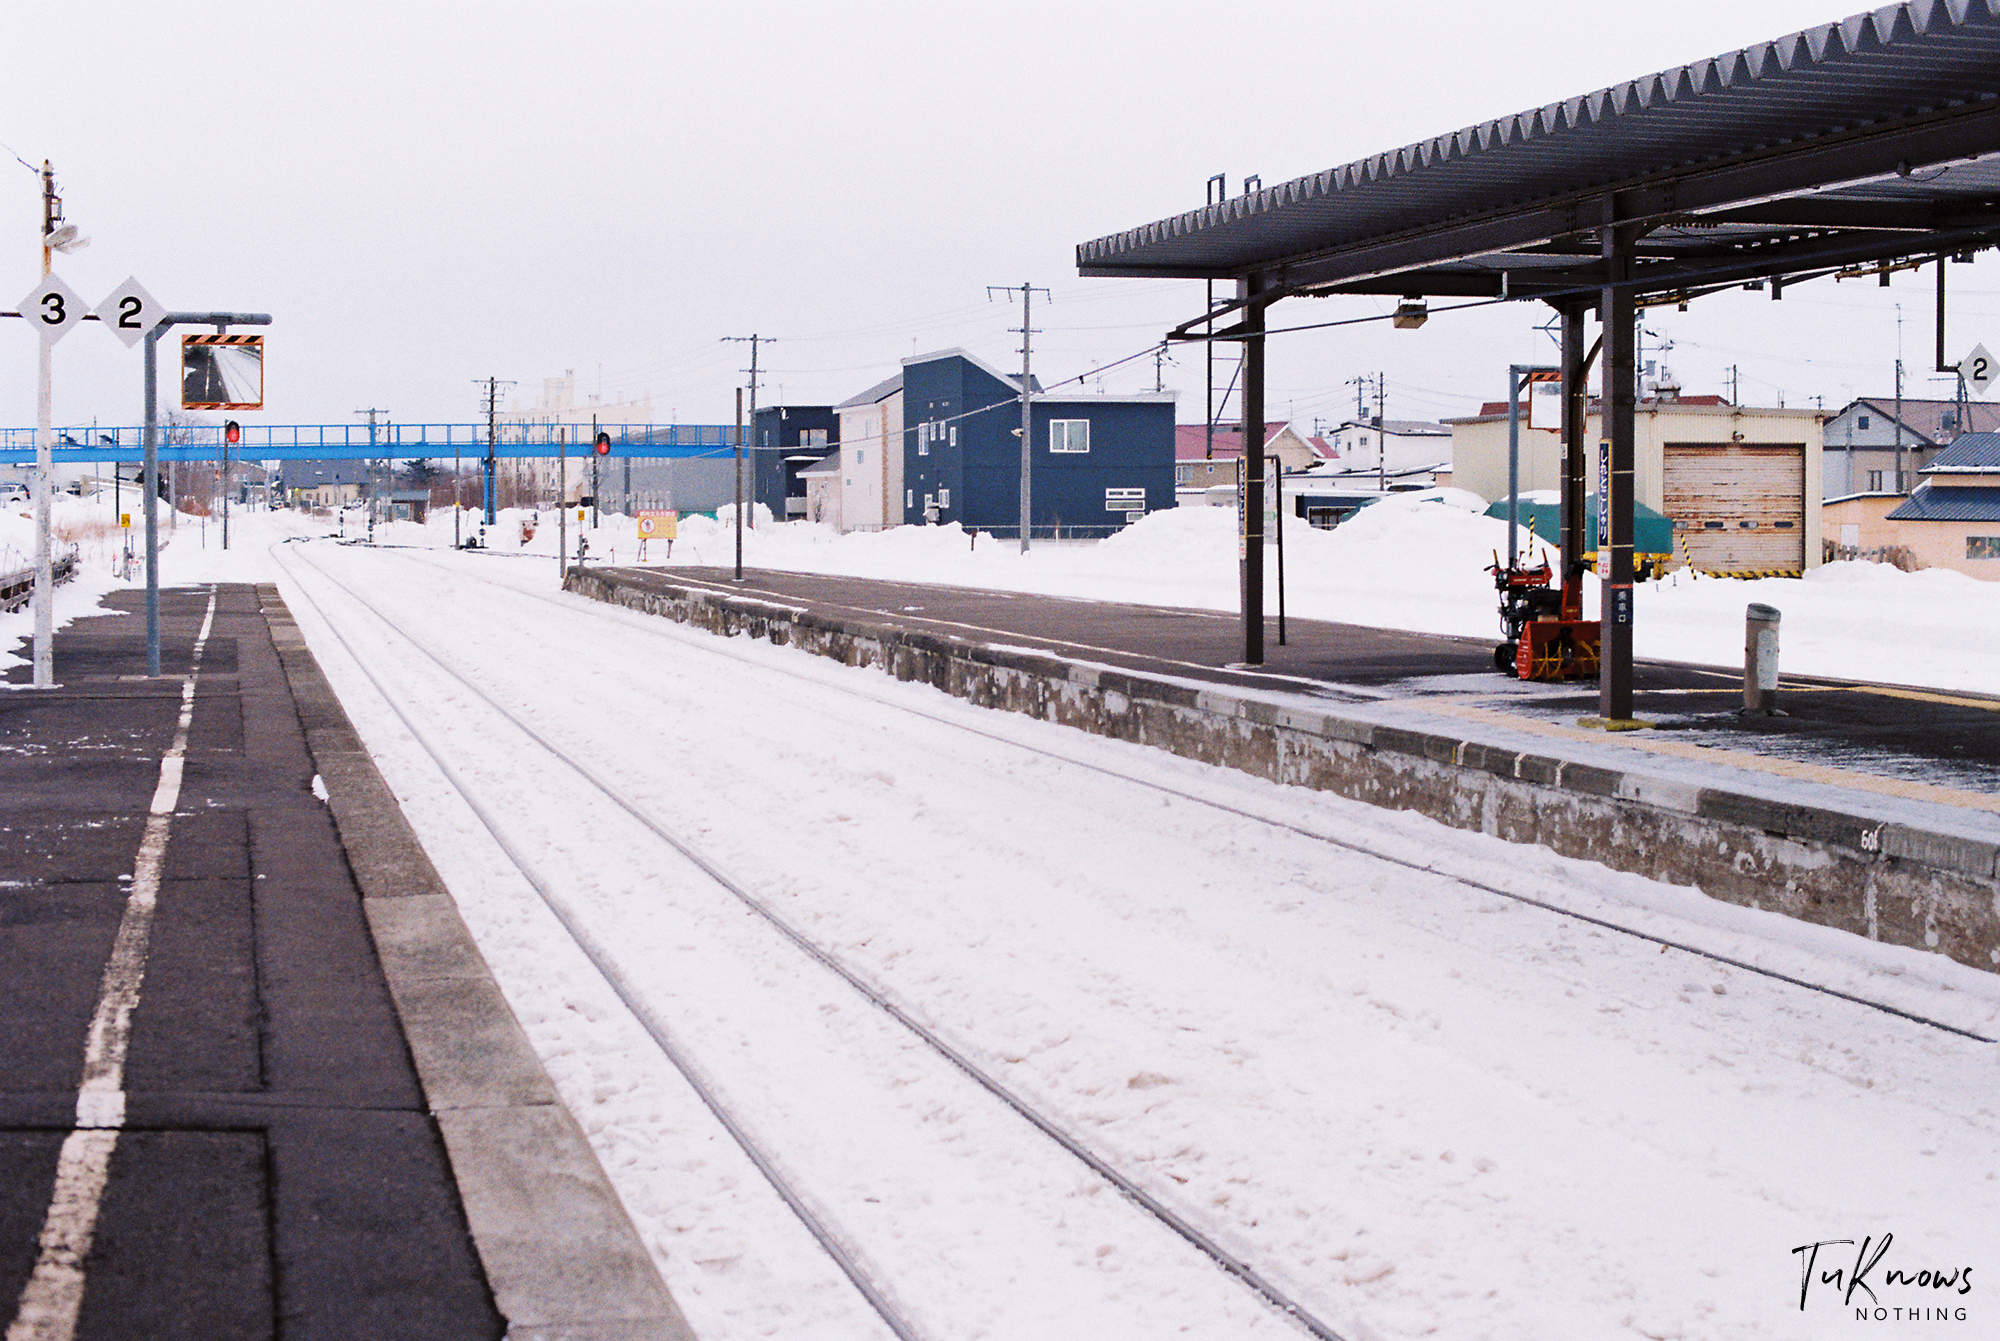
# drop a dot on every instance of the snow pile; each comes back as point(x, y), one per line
point(1416, 561)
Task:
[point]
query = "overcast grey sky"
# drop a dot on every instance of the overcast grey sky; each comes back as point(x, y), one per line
point(424, 194)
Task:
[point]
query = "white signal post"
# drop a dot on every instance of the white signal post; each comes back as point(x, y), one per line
point(53, 309)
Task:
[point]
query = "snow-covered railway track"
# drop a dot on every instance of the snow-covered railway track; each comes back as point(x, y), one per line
point(841, 1245)
point(1429, 866)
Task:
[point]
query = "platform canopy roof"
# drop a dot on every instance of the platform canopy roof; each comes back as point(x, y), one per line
point(1869, 140)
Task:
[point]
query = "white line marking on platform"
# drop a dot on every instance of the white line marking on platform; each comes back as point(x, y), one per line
point(53, 1296)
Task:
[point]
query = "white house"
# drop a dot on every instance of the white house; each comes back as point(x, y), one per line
point(868, 487)
point(1392, 448)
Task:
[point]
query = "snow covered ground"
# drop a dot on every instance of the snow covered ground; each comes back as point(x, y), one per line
point(1420, 1108)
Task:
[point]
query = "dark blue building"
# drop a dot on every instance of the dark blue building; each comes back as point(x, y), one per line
point(784, 440)
point(1097, 461)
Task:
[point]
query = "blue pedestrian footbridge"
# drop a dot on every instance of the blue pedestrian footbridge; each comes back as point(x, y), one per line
point(357, 442)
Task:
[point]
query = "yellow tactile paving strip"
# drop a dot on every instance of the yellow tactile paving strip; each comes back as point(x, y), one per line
point(1471, 710)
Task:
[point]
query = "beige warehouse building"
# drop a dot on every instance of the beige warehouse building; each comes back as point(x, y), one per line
point(1741, 482)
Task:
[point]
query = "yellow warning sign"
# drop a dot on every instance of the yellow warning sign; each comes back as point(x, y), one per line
point(125, 520)
point(658, 525)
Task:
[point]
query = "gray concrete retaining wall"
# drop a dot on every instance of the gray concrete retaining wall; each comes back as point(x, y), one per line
point(1878, 875)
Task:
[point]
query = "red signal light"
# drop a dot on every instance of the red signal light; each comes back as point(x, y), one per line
point(604, 444)
point(232, 430)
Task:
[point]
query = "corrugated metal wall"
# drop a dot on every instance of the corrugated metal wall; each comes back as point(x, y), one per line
point(1738, 508)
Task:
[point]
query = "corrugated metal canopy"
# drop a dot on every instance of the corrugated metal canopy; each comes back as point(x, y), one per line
point(1863, 141)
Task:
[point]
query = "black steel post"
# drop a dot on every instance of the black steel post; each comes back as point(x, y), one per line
point(1251, 463)
point(1618, 313)
point(151, 456)
point(1575, 408)
point(1278, 495)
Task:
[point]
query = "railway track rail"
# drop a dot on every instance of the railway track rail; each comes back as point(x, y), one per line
point(839, 1245)
point(719, 648)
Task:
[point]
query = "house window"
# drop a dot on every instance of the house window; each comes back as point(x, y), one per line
point(812, 437)
point(1183, 474)
point(909, 498)
point(1982, 547)
point(1874, 481)
point(857, 456)
point(1069, 435)
point(944, 498)
point(923, 439)
point(1861, 422)
point(954, 435)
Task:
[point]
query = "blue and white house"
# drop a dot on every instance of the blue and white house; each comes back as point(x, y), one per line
point(1098, 461)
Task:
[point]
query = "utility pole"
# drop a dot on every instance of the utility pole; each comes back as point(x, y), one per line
point(493, 385)
point(1381, 436)
point(374, 491)
point(1160, 369)
point(752, 340)
point(1899, 420)
point(1027, 404)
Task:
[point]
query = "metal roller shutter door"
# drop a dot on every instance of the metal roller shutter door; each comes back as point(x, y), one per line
point(1738, 508)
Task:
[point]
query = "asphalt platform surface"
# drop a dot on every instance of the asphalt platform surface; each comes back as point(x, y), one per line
point(278, 1172)
point(322, 1119)
point(1888, 732)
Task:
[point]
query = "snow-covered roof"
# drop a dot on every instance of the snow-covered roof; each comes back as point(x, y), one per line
point(881, 391)
point(1969, 454)
point(1946, 502)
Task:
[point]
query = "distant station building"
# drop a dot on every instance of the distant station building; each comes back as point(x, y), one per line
point(1740, 482)
point(323, 484)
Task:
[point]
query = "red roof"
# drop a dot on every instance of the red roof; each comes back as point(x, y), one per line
point(1191, 440)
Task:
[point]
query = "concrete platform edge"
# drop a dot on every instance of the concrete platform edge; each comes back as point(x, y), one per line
point(1868, 874)
point(562, 1256)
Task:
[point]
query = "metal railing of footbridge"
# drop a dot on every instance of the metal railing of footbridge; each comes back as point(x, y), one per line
point(353, 442)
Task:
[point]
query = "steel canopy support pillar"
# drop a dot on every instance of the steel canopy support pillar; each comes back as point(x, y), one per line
point(1575, 458)
point(1618, 313)
point(1251, 463)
